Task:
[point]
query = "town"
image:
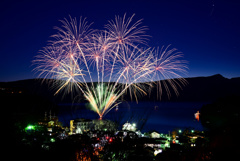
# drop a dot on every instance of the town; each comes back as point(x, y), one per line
point(97, 139)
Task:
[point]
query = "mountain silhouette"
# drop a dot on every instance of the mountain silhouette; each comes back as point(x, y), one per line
point(202, 89)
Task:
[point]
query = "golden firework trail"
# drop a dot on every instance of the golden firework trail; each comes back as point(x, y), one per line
point(116, 57)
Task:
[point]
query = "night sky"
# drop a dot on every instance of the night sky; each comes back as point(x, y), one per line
point(206, 31)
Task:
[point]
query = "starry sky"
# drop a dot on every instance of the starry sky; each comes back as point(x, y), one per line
point(207, 32)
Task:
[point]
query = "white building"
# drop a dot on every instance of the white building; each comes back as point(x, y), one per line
point(129, 126)
point(80, 126)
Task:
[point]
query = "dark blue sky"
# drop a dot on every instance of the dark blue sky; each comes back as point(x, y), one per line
point(206, 31)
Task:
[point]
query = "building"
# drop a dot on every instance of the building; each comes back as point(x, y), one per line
point(79, 126)
point(130, 127)
point(154, 134)
point(51, 123)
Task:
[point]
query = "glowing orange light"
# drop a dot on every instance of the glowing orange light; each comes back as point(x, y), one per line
point(197, 115)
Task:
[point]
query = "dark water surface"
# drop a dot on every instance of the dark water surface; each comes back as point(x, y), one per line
point(160, 116)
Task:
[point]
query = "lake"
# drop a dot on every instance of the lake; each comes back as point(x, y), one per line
point(160, 116)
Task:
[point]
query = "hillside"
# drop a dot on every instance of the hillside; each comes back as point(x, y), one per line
point(208, 88)
point(198, 89)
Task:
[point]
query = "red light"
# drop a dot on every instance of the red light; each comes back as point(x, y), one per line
point(110, 140)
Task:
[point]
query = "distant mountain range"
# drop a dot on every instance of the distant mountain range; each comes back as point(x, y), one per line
point(203, 89)
point(208, 88)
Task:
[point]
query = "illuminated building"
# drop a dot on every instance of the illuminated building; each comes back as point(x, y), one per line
point(71, 126)
point(79, 126)
point(154, 134)
point(157, 143)
point(129, 126)
point(50, 122)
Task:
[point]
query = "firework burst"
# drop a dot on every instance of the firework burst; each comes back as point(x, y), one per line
point(114, 58)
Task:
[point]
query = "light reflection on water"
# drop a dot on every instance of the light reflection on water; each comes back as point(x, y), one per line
point(160, 116)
